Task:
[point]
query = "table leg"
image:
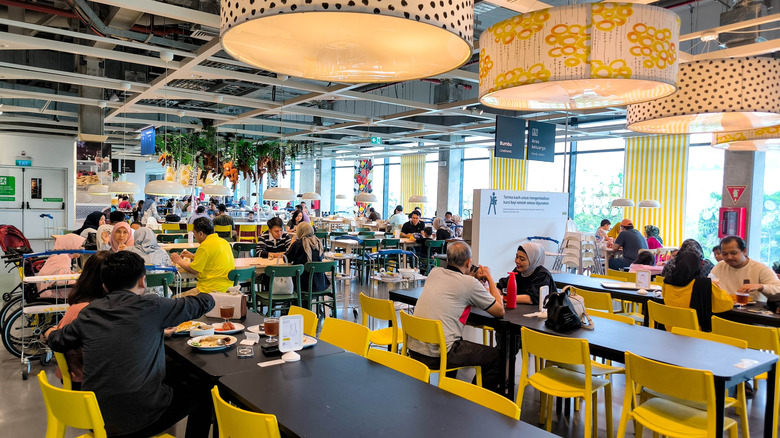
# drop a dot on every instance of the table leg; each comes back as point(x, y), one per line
point(720, 400)
point(770, 415)
point(508, 384)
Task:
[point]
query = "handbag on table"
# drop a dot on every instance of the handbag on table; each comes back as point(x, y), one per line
point(566, 311)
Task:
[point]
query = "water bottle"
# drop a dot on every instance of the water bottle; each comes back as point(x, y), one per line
point(190, 237)
point(511, 291)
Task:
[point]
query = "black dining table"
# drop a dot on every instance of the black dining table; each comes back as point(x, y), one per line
point(348, 395)
point(215, 364)
point(611, 339)
point(752, 314)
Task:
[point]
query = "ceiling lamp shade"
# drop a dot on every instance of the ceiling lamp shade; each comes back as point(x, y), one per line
point(622, 202)
point(216, 190)
point(311, 196)
point(99, 190)
point(365, 197)
point(164, 188)
point(418, 199)
point(279, 194)
point(349, 41)
point(649, 203)
point(341, 196)
point(720, 95)
point(124, 187)
point(579, 56)
point(761, 139)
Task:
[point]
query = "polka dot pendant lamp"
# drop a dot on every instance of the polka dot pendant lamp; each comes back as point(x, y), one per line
point(761, 139)
point(350, 40)
point(579, 56)
point(719, 95)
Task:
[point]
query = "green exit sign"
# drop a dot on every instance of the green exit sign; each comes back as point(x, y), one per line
point(376, 140)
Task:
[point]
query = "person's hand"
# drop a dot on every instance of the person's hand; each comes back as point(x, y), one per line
point(105, 237)
point(751, 287)
point(122, 246)
point(169, 331)
point(483, 272)
point(48, 333)
point(176, 258)
point(187, 254)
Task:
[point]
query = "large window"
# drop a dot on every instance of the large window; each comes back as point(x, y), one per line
point(431, 184)
point(345, 183)
point(378, 185)
point(703, 196)
point(394, 184)
point(476, 175)
point(770, 221)
point(598, 180)
point(546, 177)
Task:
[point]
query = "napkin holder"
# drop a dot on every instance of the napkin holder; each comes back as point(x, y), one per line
point(230, 298)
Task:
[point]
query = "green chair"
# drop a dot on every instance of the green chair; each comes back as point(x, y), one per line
point(430, 247)
point(362, 229)
point(337, 233)
point(245, 276)
point(392, 262)
point(361, 262)
point(323, 236)
point(320, 298)
point(235, 253)
point(167, 238)
point(163, 279)
point(157, 231)
point(245, 247)
point(274, 272)
point(185, 240)
point(366, 234)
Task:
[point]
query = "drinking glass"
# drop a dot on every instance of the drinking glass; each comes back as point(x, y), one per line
point(742, 299)
point(271, 328)
point(226, 312)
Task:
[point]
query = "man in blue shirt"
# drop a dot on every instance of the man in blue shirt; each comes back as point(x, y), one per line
point(630, 241)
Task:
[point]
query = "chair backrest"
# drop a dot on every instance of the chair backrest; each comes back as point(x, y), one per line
point(626, 276)
point(424, 330)
point(758, 338)
point(240, 275)
point(170, 227)
point(671, 316)
point(247, 229)
point(338, 233)
point(180, 250)
point(163, 279)
point(370, 243)
point(224, 231)
point(321, 234)
point(309, 319)
point(480, 396)
point(366, 234)
point(345, 334)
point(167, 238)
point(277, 271)
point(380, 309)
point(62, 363)
point(682, 383)
point(431, 245)
point(596, 300)
point(65, 408)
point(359, 229)
point(555, 348)
point(391, 243)
point(244, 246)
point(402, 364)
point(603, 277)
point(321, 267)
point(238, 423)
point(182, 240)
point(190, 227)
point(614, 317)
point(739, 343)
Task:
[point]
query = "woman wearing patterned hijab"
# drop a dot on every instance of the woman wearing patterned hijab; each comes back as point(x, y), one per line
point(652, 234)
point(689, 245)
point(307, 248)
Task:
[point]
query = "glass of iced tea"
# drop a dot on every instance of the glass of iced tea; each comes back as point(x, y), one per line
point(742, 299)
point(271, 328)
point(226, 312)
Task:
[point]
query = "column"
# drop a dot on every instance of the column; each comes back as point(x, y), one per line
point(746, 169)
point(449, 196)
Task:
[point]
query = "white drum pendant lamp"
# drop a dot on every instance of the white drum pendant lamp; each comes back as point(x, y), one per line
point(579, 56)
point(649, 203)
point(279, 194)
point(216, 190)
point(365, 198)
point(622, 202)
point(761, 139)
point(311, 196)
point(719, 95)
point(123, 188)
point(99, 190)
point(350, 40)
point(418, 199)
point(164, 188)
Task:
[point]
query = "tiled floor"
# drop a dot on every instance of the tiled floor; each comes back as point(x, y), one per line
point(22, 413)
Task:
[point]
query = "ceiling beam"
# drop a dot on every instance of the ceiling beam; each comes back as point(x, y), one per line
point(160, 9)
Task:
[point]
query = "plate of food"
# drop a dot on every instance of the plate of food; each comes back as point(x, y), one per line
point(227, 328)
point(309, 341)
point(259, 329)
point(390, 276)
point(212, 342)
point(187, 326)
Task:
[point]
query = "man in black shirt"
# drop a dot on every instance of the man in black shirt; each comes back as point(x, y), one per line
point(415, 225)
point(121, 337)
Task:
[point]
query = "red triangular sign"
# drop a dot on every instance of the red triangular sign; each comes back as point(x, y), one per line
point(735, 192)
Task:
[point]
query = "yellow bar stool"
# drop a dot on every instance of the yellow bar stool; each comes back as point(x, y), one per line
point(671, 316)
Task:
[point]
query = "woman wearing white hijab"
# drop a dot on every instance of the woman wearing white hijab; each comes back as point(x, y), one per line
point(441, 228)
point(530, 274)
point(145, 245)
point(307, 248)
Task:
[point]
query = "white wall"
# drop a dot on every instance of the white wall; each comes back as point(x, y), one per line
point(46, 151)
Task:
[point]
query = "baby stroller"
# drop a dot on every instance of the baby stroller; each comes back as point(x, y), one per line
point(14, 246)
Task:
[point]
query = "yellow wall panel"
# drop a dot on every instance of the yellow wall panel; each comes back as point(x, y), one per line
point(507, 173)
point(412, 179)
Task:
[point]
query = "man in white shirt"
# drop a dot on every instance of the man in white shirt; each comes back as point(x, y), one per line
point(738, 273)
point(448, 295)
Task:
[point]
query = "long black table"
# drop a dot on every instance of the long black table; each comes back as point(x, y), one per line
point(611, 339)
point(348, 395)
point(212, 365)
point(752, 314)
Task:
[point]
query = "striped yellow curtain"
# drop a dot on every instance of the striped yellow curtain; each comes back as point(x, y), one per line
point(656, 168)
point(508, 173)
point(412, 179)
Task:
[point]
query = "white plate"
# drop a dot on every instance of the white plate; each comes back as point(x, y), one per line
point(239, 328)
point(187, 332)
point(308, 341)
point(256, 329)
point(232, 341)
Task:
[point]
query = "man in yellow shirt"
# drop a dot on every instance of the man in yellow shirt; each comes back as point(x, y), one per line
point(213, 260)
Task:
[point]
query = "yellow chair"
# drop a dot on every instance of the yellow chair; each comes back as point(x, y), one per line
point(480, 396)
point(671, 316)
point(664, 416)
point(67, 383)
point(238, 423)
point(559, 382)
point(347, 335)
point(627, 306)
point(595, 300)
point(310, 319)
point(247, 233)
point(223, 231)
point(385, 311)
point(613, 316)
point(190, 227)
point(430, 331)
point(76, 409)
point(626, 276)
point(758, 338)
point(739, 403)
point(170, 227)
point(402, 364)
